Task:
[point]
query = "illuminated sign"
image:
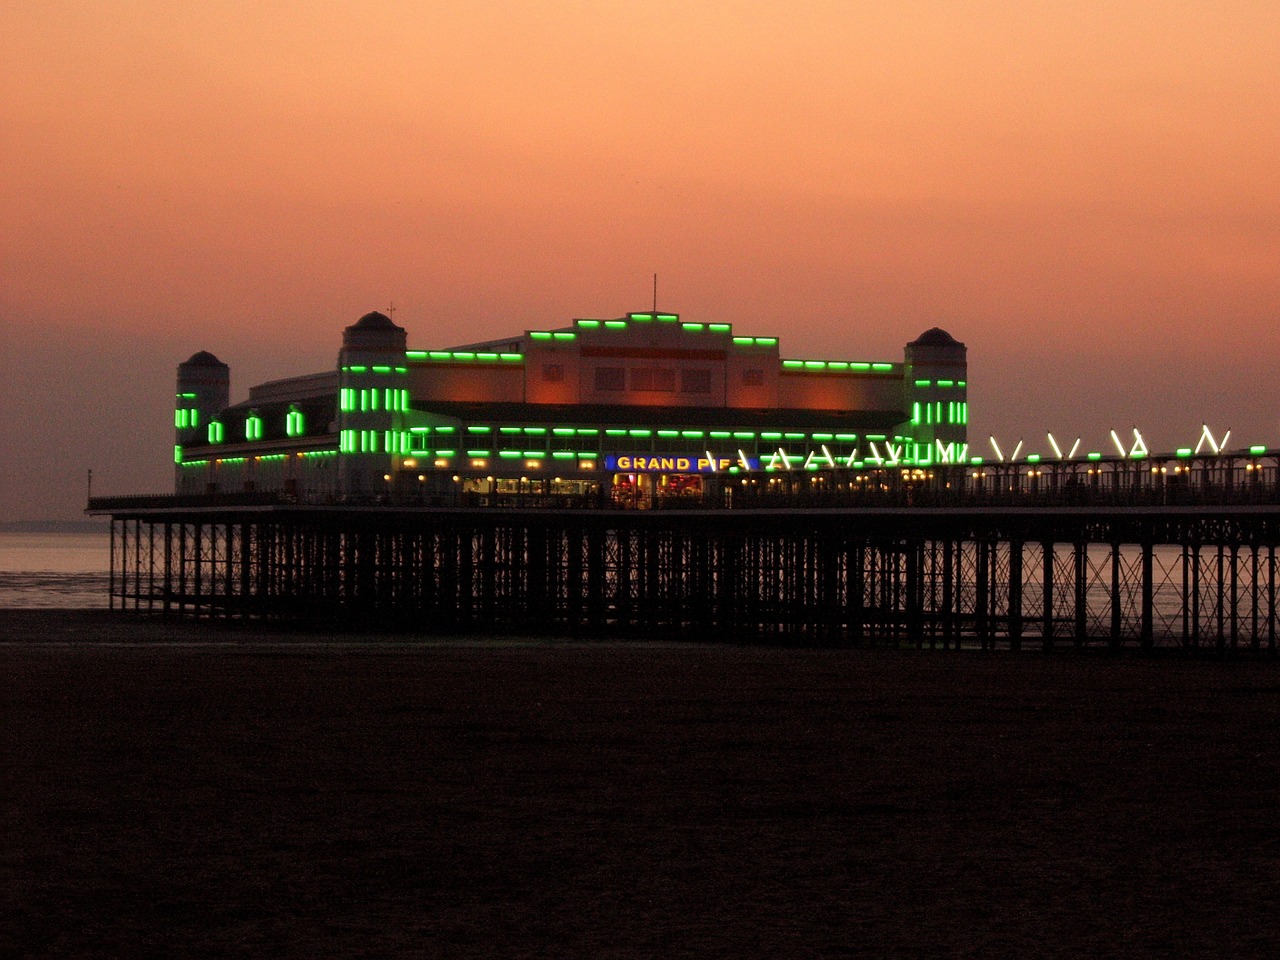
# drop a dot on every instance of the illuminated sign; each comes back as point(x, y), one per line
point(675, 463)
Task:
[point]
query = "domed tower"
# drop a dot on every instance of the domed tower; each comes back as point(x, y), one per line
point(204, 390)
point(372, 397)
point(936, 381)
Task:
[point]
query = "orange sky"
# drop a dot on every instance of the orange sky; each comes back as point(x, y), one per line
point(1086, 194)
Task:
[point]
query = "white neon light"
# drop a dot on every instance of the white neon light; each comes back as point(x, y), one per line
point(1139, 445)
point(1056, 449)
point(711, 461)
point(1206, 436)
point(746, 464)
point(875, 454)
point(1014, 455)
point(1074, 447)
point(831, 461)
point(1116, 441)
point(995, 446)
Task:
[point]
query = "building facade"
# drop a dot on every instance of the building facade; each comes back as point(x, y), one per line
point(625, 411)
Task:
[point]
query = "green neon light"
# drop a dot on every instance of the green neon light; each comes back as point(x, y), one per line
point(562, 431)
point(479, 429)
point(232, 460)
point(771, 436)
point(668, 433)
point(792, 364)
point(562, 455)
point(535, 454)
point(588, 324)
point(720, 435)
point(614, 432)
point(185, 396)
point(837, 365)
point(692, 434)
point(1094, 456)
point(444, 429)
point(668, 317)
point(822, 436)
point(588, 432)
point(381, 369)
point(640, 433)
point(445, 454)
point(360, 369)
point(794, 436)
point(565, 336)
point(882, 366)
point(463, 355)
point(1183, 452)
point(536, 430)
point(925, 383)
point(719, 328)
point(195, 463)
point(766, 341)
point(815, 365)
point(744, 435)
point(615, 324)
point(588, 455)
point(215, 431)
point(692, 327)
point(846, 436)
point(539, 335)
point(946, 383)
point(416, 354)
point(859, 366)
point(477, 453)
point(870, 436)
point(641, 317)
point(1033, 458)
point(177, 453)
point(511, 357)
point(1257, 449)
point(508, 429)
point(509, 454)
point(743, 341)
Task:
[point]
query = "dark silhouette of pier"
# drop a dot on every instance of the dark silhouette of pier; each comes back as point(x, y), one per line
point(1113, 553)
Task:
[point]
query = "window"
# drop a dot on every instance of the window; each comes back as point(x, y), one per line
point(695, 381)
point(753, 378)
point(552, 372)
point(653, 378)
point(611, 378)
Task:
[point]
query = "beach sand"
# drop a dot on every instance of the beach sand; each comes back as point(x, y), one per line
point(182, 790)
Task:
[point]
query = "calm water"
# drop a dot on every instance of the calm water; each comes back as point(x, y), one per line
point(54, 569)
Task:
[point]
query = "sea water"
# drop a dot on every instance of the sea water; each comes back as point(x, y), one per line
point(54, 569)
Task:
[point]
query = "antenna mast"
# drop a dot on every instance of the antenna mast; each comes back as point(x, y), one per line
point(655, 293)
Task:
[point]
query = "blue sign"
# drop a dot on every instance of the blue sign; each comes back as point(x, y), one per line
point(674, 463)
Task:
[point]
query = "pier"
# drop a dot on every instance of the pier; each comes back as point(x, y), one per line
point(1114, 553)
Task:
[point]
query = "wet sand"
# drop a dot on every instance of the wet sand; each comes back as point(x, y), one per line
point(279, 795)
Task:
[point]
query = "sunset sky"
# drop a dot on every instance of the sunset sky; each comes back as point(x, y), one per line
point(1085, 193)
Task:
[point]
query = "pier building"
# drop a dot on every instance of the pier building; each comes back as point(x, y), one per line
point(624, 411)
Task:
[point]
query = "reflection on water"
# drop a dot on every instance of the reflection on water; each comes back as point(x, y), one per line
point(54, 569)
